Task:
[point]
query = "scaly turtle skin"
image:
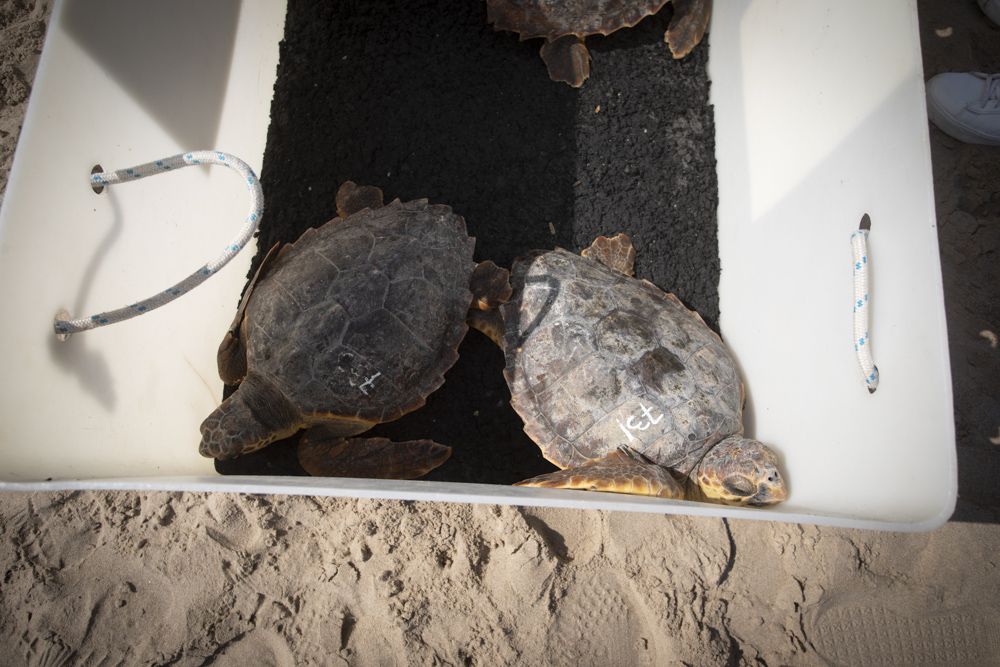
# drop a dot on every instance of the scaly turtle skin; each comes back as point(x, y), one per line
point(354, 324)
point(565, 23)
point(623, 387)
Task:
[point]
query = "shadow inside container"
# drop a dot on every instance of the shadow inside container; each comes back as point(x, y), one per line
point(153, 50)
point(74, 355)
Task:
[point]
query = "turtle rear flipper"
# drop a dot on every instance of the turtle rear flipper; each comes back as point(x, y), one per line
point(688, 26)
point(491, 288)
point(619, 472)
point(567, 60)
point(255, 415)
point(324, 454)
point(352, 198)
point(617, 253)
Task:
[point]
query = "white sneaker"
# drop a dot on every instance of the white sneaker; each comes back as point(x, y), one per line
point(992, 10)
point(966, 106)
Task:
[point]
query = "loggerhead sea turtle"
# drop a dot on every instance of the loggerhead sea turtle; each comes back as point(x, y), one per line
point(352, 325)
point(623, 387)
point(565, 23)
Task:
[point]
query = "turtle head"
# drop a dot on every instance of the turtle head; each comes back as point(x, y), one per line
point(741, 471)
point(255, 415)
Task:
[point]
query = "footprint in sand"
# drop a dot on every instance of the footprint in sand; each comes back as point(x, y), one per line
point(569, 534)
point(600, 621)
point(865, 629)
point(103, 603)
point(259, 647)
point(369, 639)
point(236, 524)
point(49, 651)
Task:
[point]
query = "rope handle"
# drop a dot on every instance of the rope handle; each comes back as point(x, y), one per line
point(64, 326)
point(862, 337)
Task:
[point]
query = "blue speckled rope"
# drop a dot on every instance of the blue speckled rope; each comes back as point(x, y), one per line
point(862, 339)
point(65, 326)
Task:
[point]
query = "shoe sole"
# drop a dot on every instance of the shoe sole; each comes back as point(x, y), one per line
point(867, 629)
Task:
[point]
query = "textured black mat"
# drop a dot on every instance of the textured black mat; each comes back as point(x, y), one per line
point(423, 99)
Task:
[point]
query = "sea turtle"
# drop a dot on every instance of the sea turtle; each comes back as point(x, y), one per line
point(352, 325)
point(565, 23)
point(622, 386)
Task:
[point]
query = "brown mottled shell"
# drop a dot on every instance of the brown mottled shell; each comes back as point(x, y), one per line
point(361, 317)
point(556, 18)
point(597, 359)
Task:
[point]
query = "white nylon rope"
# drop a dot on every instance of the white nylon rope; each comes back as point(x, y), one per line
point(64, 326)
point(862, 339)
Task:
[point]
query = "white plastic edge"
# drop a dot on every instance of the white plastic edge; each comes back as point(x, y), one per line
point(456, 492)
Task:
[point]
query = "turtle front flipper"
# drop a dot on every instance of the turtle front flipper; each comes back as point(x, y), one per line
point(232, 355)
point(621, 471)
point(567, 60)
point(688, 26)
point(617, 253)
point(352, 198)
point(324, 454)
point(255, 415)
point(488, 323)
point(490, 286)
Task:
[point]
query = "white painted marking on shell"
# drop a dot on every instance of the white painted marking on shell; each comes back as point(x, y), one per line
point(628, 435)
point(369, 382)
point(634, 423)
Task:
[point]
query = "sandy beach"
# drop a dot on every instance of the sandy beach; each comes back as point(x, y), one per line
point(107, 578)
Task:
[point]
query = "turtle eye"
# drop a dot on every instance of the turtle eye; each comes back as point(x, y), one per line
point(738, 485)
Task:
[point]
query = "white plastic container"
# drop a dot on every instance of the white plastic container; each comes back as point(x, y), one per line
point(820, 118)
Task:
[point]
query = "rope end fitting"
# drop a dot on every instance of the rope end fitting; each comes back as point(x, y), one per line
point(872, 380)
point(60, 323)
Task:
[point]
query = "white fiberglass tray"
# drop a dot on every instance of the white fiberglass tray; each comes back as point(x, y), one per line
point(820, 118)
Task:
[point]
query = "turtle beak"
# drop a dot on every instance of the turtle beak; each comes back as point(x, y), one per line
point(770, 491)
